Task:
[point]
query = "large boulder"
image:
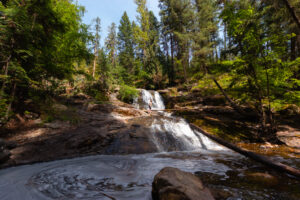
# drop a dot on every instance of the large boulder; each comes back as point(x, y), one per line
point(135, 139)
point(174, 184)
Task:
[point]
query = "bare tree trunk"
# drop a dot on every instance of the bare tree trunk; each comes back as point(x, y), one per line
point(292, 12)
point(230, 101)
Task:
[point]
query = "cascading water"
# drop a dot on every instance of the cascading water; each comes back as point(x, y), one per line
point(171, 133)
point(175, 134)
point(149, 100)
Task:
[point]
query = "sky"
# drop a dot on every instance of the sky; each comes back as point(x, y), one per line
point(110, 11)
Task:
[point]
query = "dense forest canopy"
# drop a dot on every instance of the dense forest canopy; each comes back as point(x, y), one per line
point(247, 50)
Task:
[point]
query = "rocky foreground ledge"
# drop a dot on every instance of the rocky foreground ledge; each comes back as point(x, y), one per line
point(107, 128)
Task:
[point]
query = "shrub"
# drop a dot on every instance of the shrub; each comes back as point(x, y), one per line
point(127, 93)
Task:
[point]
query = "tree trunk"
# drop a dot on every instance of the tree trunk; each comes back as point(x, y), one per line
point(33, 21)
point(95, 60)
point(270, 113)
point(298, 45)
point(172, 61)
point(262, 115)
point(230, 101)
point(225, 38)
point(185, 63)
point(114, 58)
point(259, 158)
point(260, 106)
point(293, 48)
point(12, 100)
point(144, 59)
point(5, 74)
point(292, 12)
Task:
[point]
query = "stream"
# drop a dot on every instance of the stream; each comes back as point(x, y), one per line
point(130, 177)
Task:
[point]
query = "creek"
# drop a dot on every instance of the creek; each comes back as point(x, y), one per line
point(129, 177)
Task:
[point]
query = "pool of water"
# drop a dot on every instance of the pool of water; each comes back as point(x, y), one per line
point(131, 176)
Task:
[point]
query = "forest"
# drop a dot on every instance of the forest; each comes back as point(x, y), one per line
point(247, 50)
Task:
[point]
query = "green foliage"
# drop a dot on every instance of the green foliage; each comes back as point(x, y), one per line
point(259, 71)
point(3, 108)
point(127, 93)
point(126, 44)
point(111, 44)
point(40, 43)
point(46, 51)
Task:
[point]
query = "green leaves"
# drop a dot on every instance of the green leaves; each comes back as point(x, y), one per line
point(39, 41)
point(260, 66)
point(127, 93)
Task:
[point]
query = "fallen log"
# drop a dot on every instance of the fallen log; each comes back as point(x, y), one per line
point(259, 158)
point(184, 109)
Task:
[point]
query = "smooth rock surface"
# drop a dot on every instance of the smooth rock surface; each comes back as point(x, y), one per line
point(174, 184)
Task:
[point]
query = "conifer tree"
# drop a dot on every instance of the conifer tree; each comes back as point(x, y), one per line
point(126, 44)
point(111, 44)
point(205, 27)
point(96, 44)
point(141, 33)
point(177, 19)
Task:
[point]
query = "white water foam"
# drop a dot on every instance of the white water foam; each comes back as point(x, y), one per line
point(172, 132)
point(143, 101)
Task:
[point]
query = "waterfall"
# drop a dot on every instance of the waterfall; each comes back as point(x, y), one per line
point(175, 134)
point(171, 133)
point(147, 98)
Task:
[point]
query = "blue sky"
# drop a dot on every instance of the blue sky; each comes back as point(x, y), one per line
point(111, 11)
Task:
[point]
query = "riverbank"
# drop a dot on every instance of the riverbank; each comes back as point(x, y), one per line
point(97, 128)
point(115, 127)
point(213, 114)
